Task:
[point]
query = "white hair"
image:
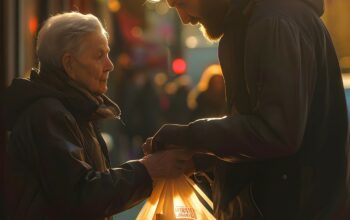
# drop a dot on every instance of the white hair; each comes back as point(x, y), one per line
point(64, 33)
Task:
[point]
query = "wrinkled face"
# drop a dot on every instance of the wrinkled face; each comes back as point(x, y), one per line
point(91, 66)
point(209, 13)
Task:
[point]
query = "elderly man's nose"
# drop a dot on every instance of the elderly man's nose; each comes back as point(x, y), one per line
point(109, 65)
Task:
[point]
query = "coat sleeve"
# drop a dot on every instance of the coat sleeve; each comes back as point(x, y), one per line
point(70, 184)
point(278, 65)
point(204, 162)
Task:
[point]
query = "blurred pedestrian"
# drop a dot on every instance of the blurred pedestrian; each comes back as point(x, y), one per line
point(207, 99)
point(177, 92)
point(57, 164)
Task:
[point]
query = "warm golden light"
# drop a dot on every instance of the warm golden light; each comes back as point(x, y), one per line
point(160, 79)
point(176, 199)
point(171, 88)
point(33, 24)
point(114, 5)
point(337, 20)
point(214, 69)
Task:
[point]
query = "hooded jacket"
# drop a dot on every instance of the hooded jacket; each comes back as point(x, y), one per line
point(282, 148)
point(57, 164)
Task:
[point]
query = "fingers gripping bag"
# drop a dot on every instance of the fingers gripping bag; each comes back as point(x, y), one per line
point(174, 199)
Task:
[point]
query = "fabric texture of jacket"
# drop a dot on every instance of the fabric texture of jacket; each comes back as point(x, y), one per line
point(57, 164)
point(281, 151)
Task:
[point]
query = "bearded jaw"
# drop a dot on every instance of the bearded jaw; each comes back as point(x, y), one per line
point(212, 20)
point(211, 33)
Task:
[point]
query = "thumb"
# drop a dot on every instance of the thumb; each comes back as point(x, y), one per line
point(147, 146)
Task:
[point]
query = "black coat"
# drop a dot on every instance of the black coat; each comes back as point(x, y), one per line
point(57, 164)
point(284, 138)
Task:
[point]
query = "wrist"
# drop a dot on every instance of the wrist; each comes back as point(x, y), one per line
point(171, 134)
point(144, 161)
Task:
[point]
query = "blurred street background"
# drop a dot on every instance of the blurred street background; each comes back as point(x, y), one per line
point(165, 72)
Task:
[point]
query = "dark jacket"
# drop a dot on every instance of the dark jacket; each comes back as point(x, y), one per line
point(57, 164)
point(287, 124)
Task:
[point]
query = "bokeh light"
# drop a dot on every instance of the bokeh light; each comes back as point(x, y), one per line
point(114, 5)
point(179, 66)
point(191, 42)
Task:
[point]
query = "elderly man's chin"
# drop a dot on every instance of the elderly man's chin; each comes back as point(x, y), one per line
point(211, 33)
point(102, 89)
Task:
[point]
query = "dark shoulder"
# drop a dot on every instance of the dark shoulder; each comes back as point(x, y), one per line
point(296, 12)
point(293, 17)
point(47, 110)
point(48, 106)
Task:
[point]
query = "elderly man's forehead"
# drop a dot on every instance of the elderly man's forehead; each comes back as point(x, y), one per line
point(95, 41)
point(101, 47)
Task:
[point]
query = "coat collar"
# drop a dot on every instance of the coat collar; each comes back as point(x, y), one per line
point(80, 101)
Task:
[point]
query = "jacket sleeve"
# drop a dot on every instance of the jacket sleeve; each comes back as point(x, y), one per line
point(278, 70)
point(204, 162)
point(70, 184)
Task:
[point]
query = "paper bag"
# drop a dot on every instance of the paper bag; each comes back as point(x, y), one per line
point(173, 199)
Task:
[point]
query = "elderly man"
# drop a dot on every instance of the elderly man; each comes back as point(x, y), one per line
point(285, 133)
point(57, 164)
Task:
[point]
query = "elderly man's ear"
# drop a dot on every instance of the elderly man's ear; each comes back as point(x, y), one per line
point(67, 60)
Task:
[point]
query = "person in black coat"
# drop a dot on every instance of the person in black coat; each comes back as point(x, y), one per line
point(280, 153)
point(56, 162)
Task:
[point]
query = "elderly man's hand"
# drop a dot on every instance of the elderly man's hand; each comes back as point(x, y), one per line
point(167, 163)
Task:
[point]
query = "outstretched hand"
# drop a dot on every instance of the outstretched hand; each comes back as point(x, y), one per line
point(169, 136)
point(147, 146)
point(167, 163)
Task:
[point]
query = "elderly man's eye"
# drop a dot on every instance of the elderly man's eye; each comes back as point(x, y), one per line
point(100, 55)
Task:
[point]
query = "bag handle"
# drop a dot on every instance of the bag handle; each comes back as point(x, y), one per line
point(199, 192)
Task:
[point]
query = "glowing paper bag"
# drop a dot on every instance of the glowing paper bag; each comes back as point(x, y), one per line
point(173, 199)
